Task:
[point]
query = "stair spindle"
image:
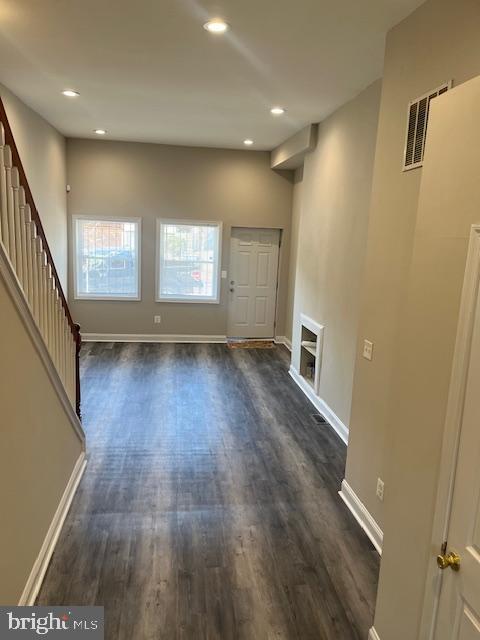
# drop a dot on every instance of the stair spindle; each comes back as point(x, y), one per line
point(33, 246)
point(23, 239)
point(41, 293)
point(3, 191)
point(50, 335)
point(28, 239)
point(10, 237)
point(17, 259)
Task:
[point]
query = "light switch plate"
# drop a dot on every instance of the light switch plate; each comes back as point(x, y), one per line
point(157, 319)
point(367, 349)
point(224, 275)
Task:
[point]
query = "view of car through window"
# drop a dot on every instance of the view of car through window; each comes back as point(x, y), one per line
point(188, 261)
point(107, 258)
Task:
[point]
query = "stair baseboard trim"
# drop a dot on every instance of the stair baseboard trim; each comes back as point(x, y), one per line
point(154, 337)
point(40, 566)
point(373, 635)
point(16, 293)
point(362, 516)
point(285, 341)
point(333, 420)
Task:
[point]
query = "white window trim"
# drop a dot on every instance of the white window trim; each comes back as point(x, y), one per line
point(90, 296)
point(180, 221)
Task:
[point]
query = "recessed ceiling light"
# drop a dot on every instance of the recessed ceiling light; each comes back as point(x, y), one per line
point(248, 142)
point(100, 132)
point(216, 26)
point(277, 111)
point(70, 93)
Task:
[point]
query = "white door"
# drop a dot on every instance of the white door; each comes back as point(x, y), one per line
point(253, 282)
point(459, 607)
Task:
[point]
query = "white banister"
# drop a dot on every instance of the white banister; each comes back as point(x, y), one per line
point(25, 247)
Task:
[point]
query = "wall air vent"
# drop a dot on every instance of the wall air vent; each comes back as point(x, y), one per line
point(417, 123)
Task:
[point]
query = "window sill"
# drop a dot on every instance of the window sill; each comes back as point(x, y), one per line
point(188, 301)
point(107, 298)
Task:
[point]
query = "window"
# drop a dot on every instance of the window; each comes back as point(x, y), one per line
point(188, 261)
point(107, 258)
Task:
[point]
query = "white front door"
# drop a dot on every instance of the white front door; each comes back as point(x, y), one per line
point(253, 282)
point(459, 607)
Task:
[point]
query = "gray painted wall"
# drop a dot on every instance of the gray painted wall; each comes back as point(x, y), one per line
point(152, 181)
point(330, 222)
point(449, 204)
point(438, 42)
point(38, 452)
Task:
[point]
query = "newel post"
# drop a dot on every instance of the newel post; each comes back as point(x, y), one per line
point(78, 346)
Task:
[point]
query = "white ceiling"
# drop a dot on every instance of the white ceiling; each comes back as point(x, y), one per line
point(148, 71)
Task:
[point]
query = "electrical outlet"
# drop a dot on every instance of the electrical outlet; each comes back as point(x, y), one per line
point(157, 319)
point(380, 489)
point(367, 349)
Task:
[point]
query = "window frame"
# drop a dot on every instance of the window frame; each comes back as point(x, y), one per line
point(104, 297)
point(199, 223)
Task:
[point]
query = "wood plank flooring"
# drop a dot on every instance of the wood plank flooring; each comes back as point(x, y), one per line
point(209, 508)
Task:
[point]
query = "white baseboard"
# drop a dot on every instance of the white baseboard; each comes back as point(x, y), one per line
point(153, 337)
point(285, 341)
point(373, 635)
point(40, 566)
point(333, 420)
point(362, 516)
point(167, 337)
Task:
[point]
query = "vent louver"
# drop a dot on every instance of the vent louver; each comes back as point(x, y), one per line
point(418, 112)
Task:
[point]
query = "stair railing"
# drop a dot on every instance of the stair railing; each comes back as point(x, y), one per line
point(25, 245)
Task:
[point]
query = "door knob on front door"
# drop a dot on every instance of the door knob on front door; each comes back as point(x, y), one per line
point(232, 289)
point(451, 560)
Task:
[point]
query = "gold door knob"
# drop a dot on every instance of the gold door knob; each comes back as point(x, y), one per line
point(451, 560)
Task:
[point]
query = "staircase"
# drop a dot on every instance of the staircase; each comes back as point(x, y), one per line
point(25, 251)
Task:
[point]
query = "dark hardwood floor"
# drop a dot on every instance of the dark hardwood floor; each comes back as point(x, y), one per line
point(209, 508)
